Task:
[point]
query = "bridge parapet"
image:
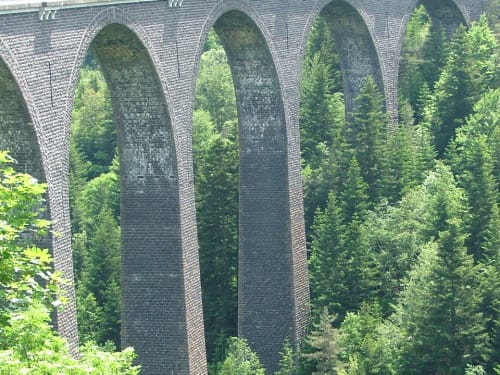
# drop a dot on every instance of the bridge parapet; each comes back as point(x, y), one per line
point(49, 7)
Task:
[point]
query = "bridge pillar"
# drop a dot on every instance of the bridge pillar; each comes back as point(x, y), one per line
point(161, 314)
point(272, 293)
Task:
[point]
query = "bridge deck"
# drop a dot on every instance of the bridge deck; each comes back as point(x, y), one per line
point(18, 6)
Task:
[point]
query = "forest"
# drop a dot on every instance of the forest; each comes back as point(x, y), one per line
point(402, 219)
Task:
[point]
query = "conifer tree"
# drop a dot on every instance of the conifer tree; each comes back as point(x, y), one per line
point(490, 286)
point(438, 309)
point(472, 155)
point(368, 138)
point(217, 207)
point(323, 341)
point(327, 264)
point(470, 70)
point(240, 359)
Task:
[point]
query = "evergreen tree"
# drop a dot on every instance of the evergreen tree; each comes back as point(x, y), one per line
point(470, 70)
point(315, 119)
point(217, 207)
point(327, 171)
point(438, 310)
point(490, 286)
point(327, 263)
point(341, 271)
point(214, 87)
point(240, 359)
point(323, 341)
point(472, 157)
point(394, 236)
point(403, 169)
point(411, 75)
point(368, 138)
point(287, 365)
point(366, 344)
point(101, 277)
point(434, 54)
point(93, 132)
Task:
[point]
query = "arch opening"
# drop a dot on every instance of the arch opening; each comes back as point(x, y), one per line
point(266, 297)
point(356, 50)
point(147, 213)
point(444, 14)
point(424, 52)
point(216, 161)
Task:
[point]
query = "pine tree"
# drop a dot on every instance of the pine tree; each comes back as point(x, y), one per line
point(402, 163)
point(327, 264)
point(411, 73)
point(214, 87)
point(472, 155)
point(438, 310)
point(240, 359)
point(368, 138)
point(321, 79)
point(470, 70)
point(490, 286)
point(93, 132)
point(287, 365)
point(101, 276)
point(323, 342)
point(216, 185)
point(327, 173)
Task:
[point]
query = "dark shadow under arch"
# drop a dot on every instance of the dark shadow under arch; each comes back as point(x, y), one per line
point(154, 302)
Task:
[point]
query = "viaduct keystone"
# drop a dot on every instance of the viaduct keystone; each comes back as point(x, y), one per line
point(149, 52)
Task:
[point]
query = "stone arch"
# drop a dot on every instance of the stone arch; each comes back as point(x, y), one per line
point(18, 120)
point(352, 31)
point(448, 14)
point(161, 317)
point(272, 290)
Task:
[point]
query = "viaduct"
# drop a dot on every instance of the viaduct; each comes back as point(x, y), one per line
point(149, 51)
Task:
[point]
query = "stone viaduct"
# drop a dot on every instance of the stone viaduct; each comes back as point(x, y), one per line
point(149, 51)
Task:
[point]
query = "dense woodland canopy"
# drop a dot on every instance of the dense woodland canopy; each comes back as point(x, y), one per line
point(402, 220)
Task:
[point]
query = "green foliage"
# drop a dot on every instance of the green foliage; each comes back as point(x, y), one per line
point(95, 210)
point(367, 343)
point(216, 183)
point(93, 133)
point(368, 138)
point(323, 342)
point(471, 69)
point(326, 170)
point(322, 119)
point(474, 158)
point(28, 344)
point(240, 359)
point(288, 360)
point(438, 309)
point(22, 264)
point(411, 72)
point(216, 160)
point(214, 88)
